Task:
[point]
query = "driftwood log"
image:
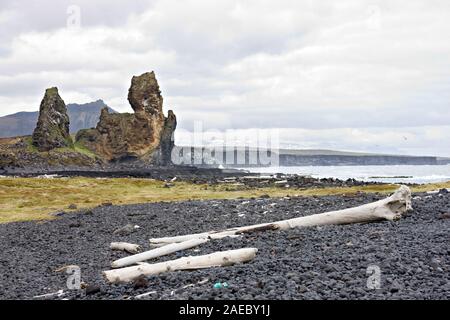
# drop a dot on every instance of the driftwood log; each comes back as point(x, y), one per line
point(216, 259)
point(158, 252)
point(390, 208)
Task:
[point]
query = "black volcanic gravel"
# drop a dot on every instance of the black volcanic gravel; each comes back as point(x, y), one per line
point(312, 263)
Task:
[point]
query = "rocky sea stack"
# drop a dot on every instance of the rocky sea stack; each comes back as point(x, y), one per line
point(145, 135)
point(52, 130)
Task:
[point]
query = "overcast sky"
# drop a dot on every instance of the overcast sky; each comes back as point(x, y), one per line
point(351, 75)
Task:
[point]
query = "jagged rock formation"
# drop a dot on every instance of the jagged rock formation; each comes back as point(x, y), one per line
point(146, 134)
point(52, 130)
point(167, 139)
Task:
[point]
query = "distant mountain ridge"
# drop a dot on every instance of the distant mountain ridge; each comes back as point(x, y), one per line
point(82, 116)
point(85, 116)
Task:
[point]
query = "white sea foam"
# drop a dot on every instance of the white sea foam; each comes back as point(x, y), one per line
point(393, 174)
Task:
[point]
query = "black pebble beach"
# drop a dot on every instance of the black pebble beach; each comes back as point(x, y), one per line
point(412, 254)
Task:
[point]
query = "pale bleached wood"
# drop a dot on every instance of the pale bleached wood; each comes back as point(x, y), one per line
point(144, 295)
point(124, 246)
point(59, 293)
point(158, 252)
point(390, 208)
point(216, 259)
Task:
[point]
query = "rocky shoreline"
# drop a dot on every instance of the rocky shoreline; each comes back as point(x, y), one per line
point(312, 263)
point(211, 176)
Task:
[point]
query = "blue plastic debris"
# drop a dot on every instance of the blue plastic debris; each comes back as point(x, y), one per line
point(221, 285)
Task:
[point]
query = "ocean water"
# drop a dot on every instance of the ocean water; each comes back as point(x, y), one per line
point(390, 174)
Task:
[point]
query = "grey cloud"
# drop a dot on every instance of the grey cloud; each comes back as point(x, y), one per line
point(44, 15)
point(47, 15)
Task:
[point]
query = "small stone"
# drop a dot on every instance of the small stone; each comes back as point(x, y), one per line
point(395, 287)
point(59, 214)
point(140, 282)
point(291, 275)
point(126, 230)
point(75, 225)
point(92, 289)
point(346, 278)
point(73, 207)
point(444, 216)
point(302, 289)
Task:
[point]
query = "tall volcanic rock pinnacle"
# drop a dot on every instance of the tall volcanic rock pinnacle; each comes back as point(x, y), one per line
point(52, 130)
point(144, 95)
point(145, 135)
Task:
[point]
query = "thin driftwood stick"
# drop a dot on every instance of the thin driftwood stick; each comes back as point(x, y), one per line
point(390, 208)
point(216, 259)
point(158, 252)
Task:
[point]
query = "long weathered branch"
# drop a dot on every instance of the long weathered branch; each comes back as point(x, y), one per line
point(390, 208)
point(158, 252)
point(215, 259)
